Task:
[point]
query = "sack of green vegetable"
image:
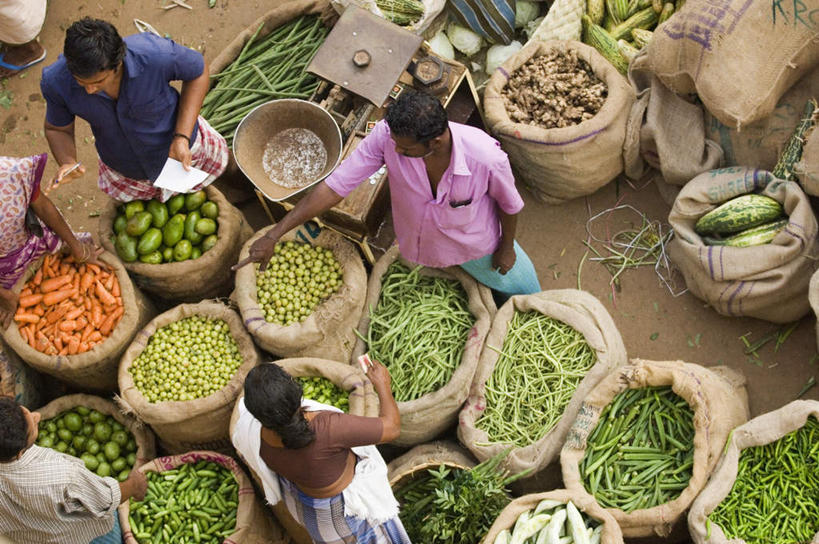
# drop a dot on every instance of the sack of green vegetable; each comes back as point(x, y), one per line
point(417, 16)
point(183, 373)
point(764, 488)
point(543, 354)
point(546, 517)
point(648, 436)
point(427, 326)
point(95, 368)
point(739, 57)
point(563, 141)
point(199, 496)
point(762, 273)
point(18, 380)
point(308, 301)
point(181, 250)
point(95, 430)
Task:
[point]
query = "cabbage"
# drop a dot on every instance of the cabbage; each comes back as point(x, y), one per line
point(525, 12)
point(440, 46)
point(463, 39)
point(497, 55)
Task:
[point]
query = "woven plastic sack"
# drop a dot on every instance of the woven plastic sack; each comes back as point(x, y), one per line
point(562, 22)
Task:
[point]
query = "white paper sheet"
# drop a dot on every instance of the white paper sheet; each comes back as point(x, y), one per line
point(175, 178)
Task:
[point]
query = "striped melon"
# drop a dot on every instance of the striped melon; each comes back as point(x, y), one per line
point(738, 214)
point(756, 236)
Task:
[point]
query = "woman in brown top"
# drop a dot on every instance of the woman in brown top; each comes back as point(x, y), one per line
point(311, 452)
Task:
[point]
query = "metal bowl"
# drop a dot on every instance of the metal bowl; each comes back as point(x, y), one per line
point(267, 120)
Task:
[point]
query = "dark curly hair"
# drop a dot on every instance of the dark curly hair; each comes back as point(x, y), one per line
point(416, 115)
point(13, 429)
point(91, 46)
point(274, 398)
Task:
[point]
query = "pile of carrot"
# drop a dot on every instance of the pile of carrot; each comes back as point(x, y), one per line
point(66, 309)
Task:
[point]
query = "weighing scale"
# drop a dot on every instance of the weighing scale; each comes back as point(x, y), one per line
point(364, 63)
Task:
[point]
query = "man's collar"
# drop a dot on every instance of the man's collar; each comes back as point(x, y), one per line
point(132, 67)
point(459, 166)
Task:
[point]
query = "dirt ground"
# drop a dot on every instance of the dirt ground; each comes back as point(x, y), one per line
point(654, 323)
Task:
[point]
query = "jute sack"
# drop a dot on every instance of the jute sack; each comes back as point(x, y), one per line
point(719, 401)
point(402, 469)
point(96, 368)
point(363, 402)
point(192, 280)
point(428, 416)
point(327, 332)
point(430, 20)
point(739, 56)
point(144, 438)
point(769, 281)
point(563, 163)
point(18, 380)
point(813, 297)
point(506, 520)
point(807, 169)
point(185, 425)
point(760, 431)
point(253, 525)
point(582, 312)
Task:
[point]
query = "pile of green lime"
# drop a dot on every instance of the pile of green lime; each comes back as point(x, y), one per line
point(154, 232)
point(103, 443)
point(322, 390)
point(187, 359)
point(298, 278)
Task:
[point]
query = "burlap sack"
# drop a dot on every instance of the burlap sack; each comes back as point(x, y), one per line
point(401, 470)
point(739, 56)
point(185, 425)
point(433, 9)
point(363, 402)
point(807, 169)
point(563, 163)
point(813, 297)
point(428, 416)
point(327, 332)
point(506, 520)
point(192, 280)
point(767, 282)
point(253, 525)
point(759, 431)
point(95, 369)
point(581, 311)
point(144, 438)
point(19, 380)
point(719, 401)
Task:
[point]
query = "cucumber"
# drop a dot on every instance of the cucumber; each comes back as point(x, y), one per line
point(138, 223)
point(150, 241)
point(738, 214)
point(756, 236)
point(159, 212)
point(597, 37)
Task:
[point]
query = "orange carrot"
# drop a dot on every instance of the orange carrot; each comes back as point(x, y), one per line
point(27, 318)
point(55, 283)
point(87, 282)
point(109, 282)
point(96, 315)
point(38, 276)
point(63, 351)
point(94, 268)
point(86, 332)
point(31, 341)
point(86, 303)
point(95, 336)
point(57, 296)
point(73, 345)
point(81, 322)
point(30, 300)
point(38, 310)
point(26, 291)
point(65, 268)
point(115, 290)
point(74, 314)
point(58, 343)
point(67, 325)
point(105, 296)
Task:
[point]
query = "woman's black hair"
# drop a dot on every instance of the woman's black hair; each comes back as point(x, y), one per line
point(417, 115)
point(274, 398)
point(13, 429)
point(91, 46)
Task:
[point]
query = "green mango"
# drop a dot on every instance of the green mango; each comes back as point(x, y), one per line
point(175, 203)
point(167, 254)
point(173, 230)
point(133, 208)
point(190, 227)
point(205, 226)
point(182, 250)
point(159, 212)
point(196, 252)
point(126, 247)
point(119, 223)
point(154, 257)
point(209, 209)
point(150, 241)
point(209, 242)
point(194, 200)
point(139, 223)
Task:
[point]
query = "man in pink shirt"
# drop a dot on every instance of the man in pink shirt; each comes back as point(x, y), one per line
point(453, 195)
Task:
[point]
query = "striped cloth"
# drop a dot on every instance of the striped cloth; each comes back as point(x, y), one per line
point(324, 519)
point(208, 153)
point(492, 19)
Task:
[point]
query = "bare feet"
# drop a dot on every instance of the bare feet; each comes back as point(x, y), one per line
point(20, 55)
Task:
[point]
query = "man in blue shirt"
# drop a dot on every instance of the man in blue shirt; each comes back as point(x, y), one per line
point(121, 87)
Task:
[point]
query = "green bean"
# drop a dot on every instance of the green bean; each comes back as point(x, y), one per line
point(651, 461)
point(775, 497)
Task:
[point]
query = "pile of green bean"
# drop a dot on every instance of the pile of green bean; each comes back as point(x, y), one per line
point(324, 391)
point(266, 69)
point(641, 453)
point(538, 370)
point(775, 497)
point(418, 330)
point(195, 502)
